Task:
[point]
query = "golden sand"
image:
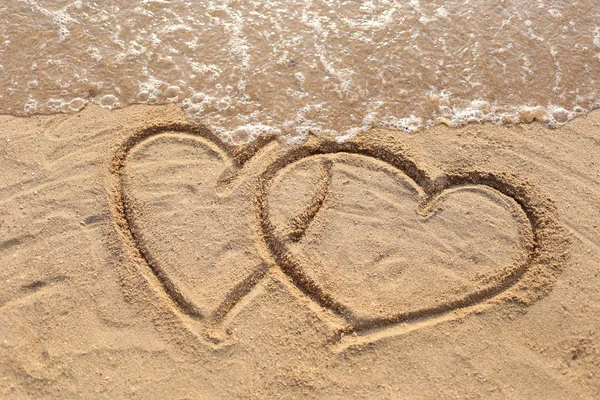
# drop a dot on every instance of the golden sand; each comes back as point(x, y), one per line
point(144, 258)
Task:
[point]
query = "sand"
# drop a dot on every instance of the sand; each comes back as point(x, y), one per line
point(143, 258)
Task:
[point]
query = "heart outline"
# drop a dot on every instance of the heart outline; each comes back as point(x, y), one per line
point(545, 258)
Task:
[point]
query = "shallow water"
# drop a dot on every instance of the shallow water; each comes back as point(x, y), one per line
point(336, 67)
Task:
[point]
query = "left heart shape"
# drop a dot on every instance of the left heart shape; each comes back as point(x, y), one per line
point(200, 242)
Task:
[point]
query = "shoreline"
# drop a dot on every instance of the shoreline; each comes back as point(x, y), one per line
point(550, 116)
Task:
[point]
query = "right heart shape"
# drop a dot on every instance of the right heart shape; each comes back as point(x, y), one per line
point(375, 247)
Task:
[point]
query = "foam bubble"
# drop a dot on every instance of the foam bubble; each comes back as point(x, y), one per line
point(172, 92)
point(77, 104)
point(56, 105)
point(143, 96)
point(558, 116)
point(31, 106)
point(108, 101)
point(198, 98)
point(224, 103)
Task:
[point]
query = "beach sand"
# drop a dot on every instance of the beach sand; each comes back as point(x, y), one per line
point(143, 258)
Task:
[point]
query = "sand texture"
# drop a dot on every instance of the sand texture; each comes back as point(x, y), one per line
point(141, 257)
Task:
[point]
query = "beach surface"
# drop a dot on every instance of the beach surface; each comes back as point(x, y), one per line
point(144, 258)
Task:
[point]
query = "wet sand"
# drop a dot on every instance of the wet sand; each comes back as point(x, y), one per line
point(144, 258)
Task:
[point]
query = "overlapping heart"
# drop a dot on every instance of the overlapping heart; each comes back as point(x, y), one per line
point(211, 220)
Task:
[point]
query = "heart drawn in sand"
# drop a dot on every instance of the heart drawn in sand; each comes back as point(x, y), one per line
point(357, 227)
point(369, 243)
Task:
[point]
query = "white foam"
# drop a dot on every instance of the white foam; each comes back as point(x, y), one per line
point(333, 68)
point(410, 124)
point(252, 131)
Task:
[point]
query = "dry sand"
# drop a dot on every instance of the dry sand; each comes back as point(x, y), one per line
point(142, 258)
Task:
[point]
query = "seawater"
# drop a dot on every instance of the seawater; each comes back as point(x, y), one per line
point(250, 67)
